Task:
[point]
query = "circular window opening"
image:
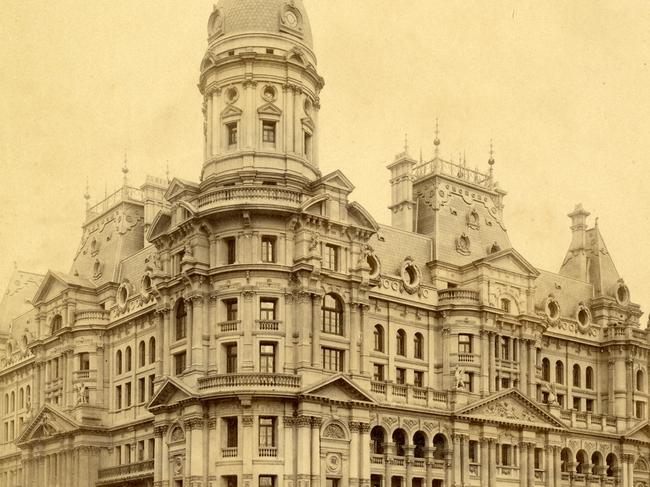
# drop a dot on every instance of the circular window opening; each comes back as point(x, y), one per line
point(411, 275)
point(373, 263)
point(232, 94)
point(269, 93)
point(622, 294)
point(122, 295)
point(553, 309)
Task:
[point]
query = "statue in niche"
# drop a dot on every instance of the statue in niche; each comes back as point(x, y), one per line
point(459, 377)
point(552, 393)
point(82, 393)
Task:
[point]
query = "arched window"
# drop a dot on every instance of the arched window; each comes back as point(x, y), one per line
point(127, 359)
point(582, 462)
point(21, 398)
point(142, 355)
point(379, 338)
point(576, 375)
point(152, 350)
point(612, 463)
point(6, 403)
point(399, 439)
point(565, 460)
point(596, 462)
point(439, 446)
point(13, 401)
point(181, 320)
point(546, 370)
point(57, 323)
point(639, 381)
point(378, 438)
point(589, 378)
point(118, 362)
point(420, 443)
point(418, 346)
point(559, 372)
point(400, 345)
point(28, 396)
point(332, 315)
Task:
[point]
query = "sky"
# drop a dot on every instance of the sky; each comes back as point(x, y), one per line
point(561, 87)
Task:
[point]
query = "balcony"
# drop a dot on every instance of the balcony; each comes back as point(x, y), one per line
point(84, 375)
point(267, 195)
point(230, 452)
point(268, 451)
point(91, 317)
point(422, 396)
point(467, 358)
point(458, 296)
point(268, 325)
point(229, 326)
point(123, 473)
point(253, 382)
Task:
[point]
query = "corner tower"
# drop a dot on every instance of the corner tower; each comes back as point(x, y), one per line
point(261, 94)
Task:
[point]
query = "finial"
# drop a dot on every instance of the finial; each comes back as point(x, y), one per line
point(87, 195)
point(436, 141)
point(125, 169)
point(491, 159)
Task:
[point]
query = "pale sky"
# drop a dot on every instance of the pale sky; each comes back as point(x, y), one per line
point(562, 88)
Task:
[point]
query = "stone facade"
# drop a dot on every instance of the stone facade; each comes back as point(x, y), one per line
point(258, 328)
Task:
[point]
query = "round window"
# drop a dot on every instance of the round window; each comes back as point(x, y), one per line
point(622, 294)
point(373, 263)
point(122, 295)
point(410, 276)
point(145, 286)
point(269, 93)
point(552, 309)
point(232, 94)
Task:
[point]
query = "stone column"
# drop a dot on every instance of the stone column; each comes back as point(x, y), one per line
point(531, 465)
point(215, 122)
point(355, 461)
point(195, 462)
point(158, 460)
point(492, 363)
point(190, 332)
point(289, 450)
point(212, 331)
point(365, 339)
point(249, 449)
point(196, 325)
point(303, 450)
point(364, 469)
point(214, 445)
point(446, 381)
point(557, 455)
point(629, 387)
point(532, 369)
point(164, 356)
point(316, 317)
point(485, 462)
point(464, 455)
point(354, 339)
point(457, 459)
point(315, 450)
point(523, 465)
point(493, 461)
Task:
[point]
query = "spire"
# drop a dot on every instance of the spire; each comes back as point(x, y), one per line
point(436, 141)
point(491, 160)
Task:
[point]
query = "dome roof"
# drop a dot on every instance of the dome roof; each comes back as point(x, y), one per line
point(284, 17)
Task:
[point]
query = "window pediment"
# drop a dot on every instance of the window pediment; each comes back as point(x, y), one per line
point(231, 112)
point(269, 109)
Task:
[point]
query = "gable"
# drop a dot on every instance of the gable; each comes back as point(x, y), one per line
point(339, 389)
point(47, 423)
point(362, 217)
point(510, 407)
point(171, 392)
point(50, 288)
point(639, 433)
point(511, 260)
point(336, 179)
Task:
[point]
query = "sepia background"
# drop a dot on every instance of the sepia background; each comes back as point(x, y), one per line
point(561, 87)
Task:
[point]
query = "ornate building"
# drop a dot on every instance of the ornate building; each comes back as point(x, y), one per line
point(257, 328)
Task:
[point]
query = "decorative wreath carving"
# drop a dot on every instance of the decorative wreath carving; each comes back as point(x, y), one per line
point(411, 276)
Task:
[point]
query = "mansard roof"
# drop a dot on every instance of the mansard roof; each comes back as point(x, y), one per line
point(510, 407)
point(18, 296)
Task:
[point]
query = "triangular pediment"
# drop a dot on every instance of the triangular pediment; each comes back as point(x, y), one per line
point(179, 187)
point(336, 179)
point(510, 260)
point(54, 283)
point(339, 388)
point(170, 392)
point(48, 423)
point(640, 432)
point(512, 407)
point(231, 111)
point(269, 109)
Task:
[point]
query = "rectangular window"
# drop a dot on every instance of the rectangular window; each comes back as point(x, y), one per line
point(267, 309)
point(378, 372)
point(152, 448)
point(232, 434)
point(560, 400)
point(229, 481)
point(505, 348)
point(231, 309)
point(268, 131)
point(231, 358)
point(118, 455)
point(84, 361)
point(418, 378)
point(127, 394)
point(589, 405)
point(576, 403)
point(267, 358)
point(469, 381)
point(231, 250)
point(127, 453)
point(142, 390)
point(335, 482)
point(331, 257)
point(118, 397)
point(232, 134)
point(473, 451)
point(332, 359)
point(180, 363)
point(539, 456)
point(267, 480)
point(464, 343)
point(307, 145)
point(640, 410)
point(268, 248)
point(505, 383)
point(506, 455)
point(400, 375)
point(140, 450)
point(152, 378)
point(267, 432)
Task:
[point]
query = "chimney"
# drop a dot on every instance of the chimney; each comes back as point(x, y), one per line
point(401, 182)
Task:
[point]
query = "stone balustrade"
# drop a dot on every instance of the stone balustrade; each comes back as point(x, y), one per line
point(458, 296)
point(253, 382)
point(125, 472)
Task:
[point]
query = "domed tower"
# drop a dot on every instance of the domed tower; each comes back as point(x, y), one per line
point(261, 95)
